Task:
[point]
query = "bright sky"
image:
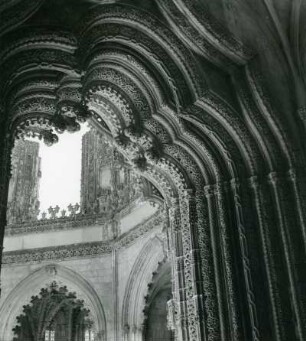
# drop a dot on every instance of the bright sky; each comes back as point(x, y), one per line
point(61, 171)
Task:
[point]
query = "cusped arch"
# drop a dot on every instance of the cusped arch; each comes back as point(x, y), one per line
point(31, 285)
point(140, 277)
point(155, 41)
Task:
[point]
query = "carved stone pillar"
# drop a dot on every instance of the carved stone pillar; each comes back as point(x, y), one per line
point(243, 243)
point(297, 179)
point(212, 280)
point(293, 248)
point(298, 182)
point(265, 234)
point(200, 251)
point(6, 145)
point(171, 315)
point(234, 319)
point(176, 256)
point(192, 265)
point(272, 252)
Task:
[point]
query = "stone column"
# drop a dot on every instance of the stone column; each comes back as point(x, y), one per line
point(293, 247)
point(193, 282)
point(221, 192)
point(6, 144)
point(176, 255)
point(252, 308)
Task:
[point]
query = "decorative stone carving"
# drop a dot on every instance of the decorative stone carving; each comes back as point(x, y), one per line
point(51, 270)
point(151, 24)
point(23, 204)
point(204, 34)
point(218, 123)
point(112, 186)
point(48, 310)
point(172, 316)
point(83, 249)
point(12, 16)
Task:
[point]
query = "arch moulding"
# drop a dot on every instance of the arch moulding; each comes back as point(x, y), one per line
point(31, 285)
point(140, 277)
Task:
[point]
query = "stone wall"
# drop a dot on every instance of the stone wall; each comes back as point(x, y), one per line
point(102, 280)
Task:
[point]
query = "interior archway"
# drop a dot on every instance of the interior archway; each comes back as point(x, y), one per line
point(21, 295)
point(157, 324)
point(188, 104)
point(133, 307)
point(54, 315)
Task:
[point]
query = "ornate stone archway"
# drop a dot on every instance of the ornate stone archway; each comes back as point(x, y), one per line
point(158, 315)
point(22, 293)
point(53, 314)
point(140, 277)
point(228, 164)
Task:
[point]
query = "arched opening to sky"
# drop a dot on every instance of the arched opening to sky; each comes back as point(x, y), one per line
point(60, 183)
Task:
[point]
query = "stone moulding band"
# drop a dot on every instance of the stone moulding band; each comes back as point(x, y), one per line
point(83, 249)
point(65, 223)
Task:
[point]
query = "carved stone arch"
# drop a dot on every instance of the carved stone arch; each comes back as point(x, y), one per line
point(188, 235)
point(133, 304)
point(34, 37)
point(118, 87)
point(69, 97)
point(271, 148)
point(14, 15)
point(172, 125)
point(162, 91)
point(184, 224)
point(199, 30)
point(225, 116)
point(31, 285)
point(195, 155)
point(204, 34)
point(137, 148)
point(134, 95)
point(153, 39)
point(115, 13)
point(161, 284)
point(151, 193)
point(158, 178)
point(283, 138)
point(216, 252)
point(38, 98)
point(226, 151)
point(116, 109)
point(25, 63)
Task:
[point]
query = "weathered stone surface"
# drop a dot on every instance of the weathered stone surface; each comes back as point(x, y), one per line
point(206, 101)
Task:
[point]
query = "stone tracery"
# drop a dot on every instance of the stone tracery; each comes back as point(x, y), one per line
point(63, 306)
point(62, 277)
point(197, 149)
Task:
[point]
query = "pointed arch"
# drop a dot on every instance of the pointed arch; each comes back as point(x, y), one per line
point(31, 285)
point(133, 303)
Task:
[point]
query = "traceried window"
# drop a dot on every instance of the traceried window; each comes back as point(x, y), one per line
point(89, 335)
point(49, 335)
point(38, 322)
